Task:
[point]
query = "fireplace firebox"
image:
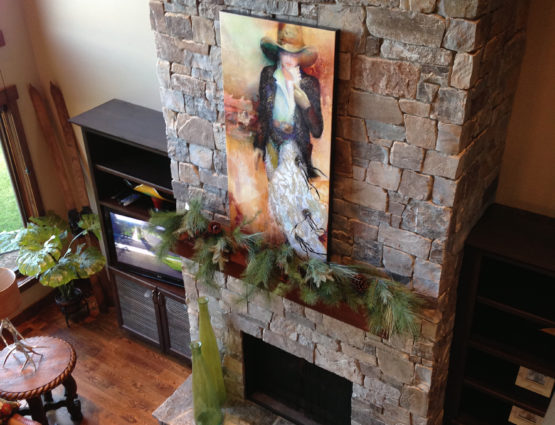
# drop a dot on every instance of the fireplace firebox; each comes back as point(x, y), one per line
point(293, 388)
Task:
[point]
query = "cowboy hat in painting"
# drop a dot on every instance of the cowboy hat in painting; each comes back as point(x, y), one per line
point(289, 39)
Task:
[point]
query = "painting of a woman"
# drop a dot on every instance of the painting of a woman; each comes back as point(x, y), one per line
point(279, 160)
point(289, 113)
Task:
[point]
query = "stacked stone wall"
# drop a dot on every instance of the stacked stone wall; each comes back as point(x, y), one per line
point(424, 94)
point(391, 377)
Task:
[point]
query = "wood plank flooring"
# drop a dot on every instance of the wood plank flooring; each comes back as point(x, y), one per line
point(119, 379)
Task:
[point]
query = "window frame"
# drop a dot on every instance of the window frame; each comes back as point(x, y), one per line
point(18, 158)
point(20, 167)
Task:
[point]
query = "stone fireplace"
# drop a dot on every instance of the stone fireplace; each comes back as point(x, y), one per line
point(424, 92)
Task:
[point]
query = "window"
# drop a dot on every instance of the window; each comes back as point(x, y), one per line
point(19, 195)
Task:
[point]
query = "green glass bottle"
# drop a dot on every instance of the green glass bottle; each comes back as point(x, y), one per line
point(206, 406)
point(210, 350)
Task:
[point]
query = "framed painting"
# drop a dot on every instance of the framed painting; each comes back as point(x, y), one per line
point(278, 96)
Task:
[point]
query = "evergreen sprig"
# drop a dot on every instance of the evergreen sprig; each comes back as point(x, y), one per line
point(193, 222)
point(261, 269)
point(204, 257)
point(391, 308)
point(166, 224)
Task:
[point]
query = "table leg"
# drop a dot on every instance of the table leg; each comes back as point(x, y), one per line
point(66, 315)
point(72, 403)
point(48, 397)
point(37, 410)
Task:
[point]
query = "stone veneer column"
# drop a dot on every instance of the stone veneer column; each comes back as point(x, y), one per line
point(425, 90)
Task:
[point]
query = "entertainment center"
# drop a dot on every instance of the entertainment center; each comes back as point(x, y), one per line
point(126, 147)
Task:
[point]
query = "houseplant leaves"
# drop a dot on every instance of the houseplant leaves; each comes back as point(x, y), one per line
point(46, 252)
point(90, 223)
point(90, 261)
point(51, 220)
point(9, 241)
point(39, 249)
point(60, 274)
point(80, 264)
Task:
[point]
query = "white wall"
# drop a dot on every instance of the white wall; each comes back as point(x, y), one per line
point(95, 51)
point(528, 171)
point(19, 68)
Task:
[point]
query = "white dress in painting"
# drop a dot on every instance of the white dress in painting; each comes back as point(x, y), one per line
point(293, 200)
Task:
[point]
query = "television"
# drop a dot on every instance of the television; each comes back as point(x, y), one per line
point(133, 246)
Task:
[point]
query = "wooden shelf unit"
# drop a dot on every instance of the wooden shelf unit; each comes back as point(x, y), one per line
point(506, 298)
point(126, 146)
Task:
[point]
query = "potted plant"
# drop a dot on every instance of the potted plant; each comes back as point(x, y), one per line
point(48, 251)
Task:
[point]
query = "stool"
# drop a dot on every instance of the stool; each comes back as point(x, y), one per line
point(53, 369)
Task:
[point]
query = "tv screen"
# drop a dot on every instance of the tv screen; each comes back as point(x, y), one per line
point(135, 246)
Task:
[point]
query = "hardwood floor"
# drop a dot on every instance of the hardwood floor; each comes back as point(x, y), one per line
point(119, 380)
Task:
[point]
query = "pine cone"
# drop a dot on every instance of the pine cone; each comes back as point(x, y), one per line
point(214, 228)
point(184, 237)
point(360, 284)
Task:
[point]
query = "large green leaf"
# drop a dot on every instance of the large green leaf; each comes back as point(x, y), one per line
point(90, 223)
point(62, 273)
point(39, 249)
point(88, 262)
point(51, 220)
point(9, 241)
point(37, 237)
point(80, 264)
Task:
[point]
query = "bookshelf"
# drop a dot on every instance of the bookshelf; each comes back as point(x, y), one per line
point(506, 301)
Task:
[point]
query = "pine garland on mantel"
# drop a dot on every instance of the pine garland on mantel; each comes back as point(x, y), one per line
point(390, 307)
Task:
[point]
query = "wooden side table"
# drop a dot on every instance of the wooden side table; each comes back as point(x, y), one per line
point(53, 369)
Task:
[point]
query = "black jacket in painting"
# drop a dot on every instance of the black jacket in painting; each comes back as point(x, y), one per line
point(306, 122)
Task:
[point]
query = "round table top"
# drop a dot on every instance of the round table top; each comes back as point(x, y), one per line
point(57, 363)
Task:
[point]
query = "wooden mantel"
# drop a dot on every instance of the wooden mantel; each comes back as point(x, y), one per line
point(236, 266)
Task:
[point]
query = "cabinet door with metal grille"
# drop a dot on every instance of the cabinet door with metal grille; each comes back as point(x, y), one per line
point(178, 327)
point(137, 306)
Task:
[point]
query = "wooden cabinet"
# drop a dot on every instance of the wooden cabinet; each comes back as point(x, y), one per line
point(505, 309)
point(155, 313)
point(126, 147)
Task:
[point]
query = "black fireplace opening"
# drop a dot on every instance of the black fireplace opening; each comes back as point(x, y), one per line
point(293, 388)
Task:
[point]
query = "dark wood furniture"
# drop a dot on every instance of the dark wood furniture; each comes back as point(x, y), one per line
point(506, 297)
point(154, 311)
point(127, 143)
point(53, 369)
